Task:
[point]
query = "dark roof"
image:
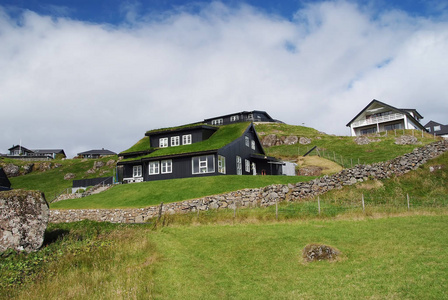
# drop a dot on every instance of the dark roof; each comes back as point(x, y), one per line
point(5, 184)
point(443, 128)
point(404, 111)
point(180, 129)
point(99, 152)
point(241, 112)
point(21, 147)
point(57, 151)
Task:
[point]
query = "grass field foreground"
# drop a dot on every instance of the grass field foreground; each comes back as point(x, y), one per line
point(393, 258)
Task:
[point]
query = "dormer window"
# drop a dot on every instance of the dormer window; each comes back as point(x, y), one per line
point(186, 139)
point(250, 116)
point(175, 141)
point(234, 118)
point(218, 122)
point(163, 142)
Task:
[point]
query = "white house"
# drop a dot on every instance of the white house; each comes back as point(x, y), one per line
point(379, 117)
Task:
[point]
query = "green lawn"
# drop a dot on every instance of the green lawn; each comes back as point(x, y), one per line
point(385, 258)
point(145, 194)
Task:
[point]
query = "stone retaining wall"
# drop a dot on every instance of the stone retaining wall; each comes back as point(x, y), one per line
point(265, 196)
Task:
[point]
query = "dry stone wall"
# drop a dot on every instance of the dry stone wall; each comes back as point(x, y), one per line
point(265, 196)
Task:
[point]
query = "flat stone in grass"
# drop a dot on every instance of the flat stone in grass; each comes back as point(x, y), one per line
point(318, 252)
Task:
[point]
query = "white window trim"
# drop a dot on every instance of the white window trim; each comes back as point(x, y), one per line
point(252, 144)
point(203, 164)
point(247, 141)
point(234, 118)
point(168, 167)
point(239, 167)
point(221, 164)
point(137, 171)
point(218, 122)
point(247, 165)
point(437, 128)
point(163, 142)
point(186, 139)
point(154, 168)
point(175, 141)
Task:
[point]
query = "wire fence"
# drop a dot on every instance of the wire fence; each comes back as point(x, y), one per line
point(351, 162)
point(333, 207)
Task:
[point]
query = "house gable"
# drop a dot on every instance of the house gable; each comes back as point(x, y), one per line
point(378, 116)
point(437, 128)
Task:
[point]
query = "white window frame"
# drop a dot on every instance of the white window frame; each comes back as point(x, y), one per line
point(437, 128)
point(247, 141)
point(218, 121)
point(166, 166)
point(203, 164)
point(252, 144)
point(247, 165)
point(239, 167)
point(234, 118)
point(153, 167)
point(221, 164)
point(175, 141)
point(186, 139)
point(137, 171)
point(163, 142)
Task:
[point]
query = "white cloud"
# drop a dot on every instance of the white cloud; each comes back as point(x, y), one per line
point(81, 86)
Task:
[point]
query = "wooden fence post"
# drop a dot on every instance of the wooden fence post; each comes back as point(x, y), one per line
point(407, 197)
point(234, 208)
point(318, 204)
point(160, 210)
point(276, 209)
point(362, 199)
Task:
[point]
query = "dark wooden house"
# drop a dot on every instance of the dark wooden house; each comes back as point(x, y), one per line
point(197, 150)
point(20, 152)
point(437, 129)
point(243, 116)
point(96, 153)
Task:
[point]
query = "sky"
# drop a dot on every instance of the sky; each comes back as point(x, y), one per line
point(81, 75)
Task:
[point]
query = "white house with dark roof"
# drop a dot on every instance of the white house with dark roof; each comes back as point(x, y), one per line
point(379, 117)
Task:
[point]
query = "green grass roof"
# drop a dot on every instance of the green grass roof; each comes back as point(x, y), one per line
point(141, 145)
point(223, 136)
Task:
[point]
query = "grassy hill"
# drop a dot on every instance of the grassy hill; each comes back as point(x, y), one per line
point(341, 149)
point(50, 180)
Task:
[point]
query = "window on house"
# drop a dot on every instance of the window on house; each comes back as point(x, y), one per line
point(153, 168)
point(428, 129)
point(203, 164)
point(221, 164)
point(163, 142)
point(175, 141)
point(247, 165)
point(437, 128)
point(234, 118)
point(252, 144)
point(239, 166)
point(393, 126)
point(250, 116)
point(167, 166)
point(368, 131)
point(217, 121)
point(186, 139)
point(246, 141)
point(137, 171)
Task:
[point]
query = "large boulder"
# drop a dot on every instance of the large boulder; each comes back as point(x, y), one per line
point(406, 140)
point(11, 170)
point(23, 220)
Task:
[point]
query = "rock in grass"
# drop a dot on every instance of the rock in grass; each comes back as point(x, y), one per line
point(318, 252)
point(23, 220)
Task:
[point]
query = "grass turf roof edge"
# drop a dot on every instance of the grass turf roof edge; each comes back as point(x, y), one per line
point(223, 136)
